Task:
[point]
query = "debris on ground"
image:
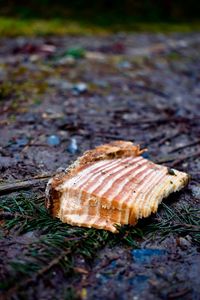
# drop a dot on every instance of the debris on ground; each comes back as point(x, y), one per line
point(139, 87)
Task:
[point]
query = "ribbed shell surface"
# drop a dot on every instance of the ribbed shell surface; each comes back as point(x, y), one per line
point(116, 191)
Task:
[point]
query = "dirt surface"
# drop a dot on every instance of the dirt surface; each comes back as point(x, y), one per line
point(61, 96)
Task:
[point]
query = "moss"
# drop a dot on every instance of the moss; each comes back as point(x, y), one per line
point(11, 27)
point(59, 243)
point(6, 90)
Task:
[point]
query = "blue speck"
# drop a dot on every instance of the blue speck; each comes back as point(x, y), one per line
point(73, 147)
point(102, 278)
point(113, 264)
point(53, 140)
point(146, 155)
point(146, 255)
point(124, 65)
point(139, 282)
point(79, 88)
point(22, 142)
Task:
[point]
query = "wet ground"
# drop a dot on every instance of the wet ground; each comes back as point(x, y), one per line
point(61, 96)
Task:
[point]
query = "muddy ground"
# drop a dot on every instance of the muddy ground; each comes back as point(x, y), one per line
point(61, 96)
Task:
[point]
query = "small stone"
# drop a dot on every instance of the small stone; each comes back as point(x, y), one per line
point(196, 191)
point(68, 60)
point(185, 165)
point(34, 58)
point(124, 65)
point(60, 170)
point(79, 88)
point(73, 147)
point(95, 56)
point(184, 243)
point(53, 140)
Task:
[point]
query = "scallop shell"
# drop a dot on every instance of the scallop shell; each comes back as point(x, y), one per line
point(111, 185)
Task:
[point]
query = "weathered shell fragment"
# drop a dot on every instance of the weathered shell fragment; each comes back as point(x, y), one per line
point(112, 184)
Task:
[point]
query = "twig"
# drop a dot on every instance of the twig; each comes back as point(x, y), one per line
point(157, 121)
point(173, 161)
point(185, 157)
point(178, 294)
point(185, 146)
point(165, 159)
point(172, 223)
point(148, 89)
point(189, 226)
point(20, 185)
point(100, 134)
point(166, 138)
point(110, 136)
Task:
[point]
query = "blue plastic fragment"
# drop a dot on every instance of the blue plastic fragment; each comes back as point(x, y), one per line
point(53, 140)
point(146, 255)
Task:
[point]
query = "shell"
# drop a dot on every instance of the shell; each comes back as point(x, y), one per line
point(111, 185)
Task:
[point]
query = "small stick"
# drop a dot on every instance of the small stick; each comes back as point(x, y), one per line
point(148, 89)
point(163, 120)
point(185, 157)
point(178, 294)
point(165, 159)
point(185, 146)
point(166, 138)
point(102, 134)
point(20, 185)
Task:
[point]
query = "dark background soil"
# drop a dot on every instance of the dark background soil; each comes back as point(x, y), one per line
point(139, 87)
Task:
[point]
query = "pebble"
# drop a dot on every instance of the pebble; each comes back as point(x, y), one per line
point(68, 60)
point(53, 140)
point(95, 56)
point(60, 170)
point(145, 255)
point(196, 191)
point(73, 147)
point(79, 88)
point(124, 65)
point(184, 243)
